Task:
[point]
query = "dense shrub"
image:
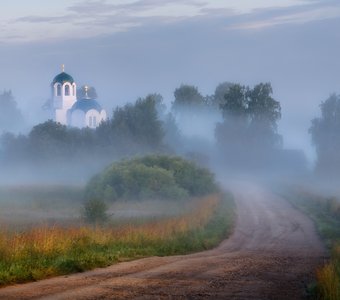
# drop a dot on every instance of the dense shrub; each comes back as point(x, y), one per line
point(195, 180)
point(95, 211)
point(151, 177)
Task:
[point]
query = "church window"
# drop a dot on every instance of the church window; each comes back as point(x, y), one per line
point(67, 90)
point(94, 121)
point(90, 121)
point(58, 90)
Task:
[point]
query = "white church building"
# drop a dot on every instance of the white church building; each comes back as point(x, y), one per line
point(70, 111)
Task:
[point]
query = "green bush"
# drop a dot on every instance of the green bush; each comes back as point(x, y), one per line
point(151, 177)
point(95, 211)
point(195, 180)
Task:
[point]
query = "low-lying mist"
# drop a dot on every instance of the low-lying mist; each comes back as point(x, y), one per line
point(234, 132)
point(155, 180)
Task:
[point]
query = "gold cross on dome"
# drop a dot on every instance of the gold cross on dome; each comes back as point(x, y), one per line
point(63, 67)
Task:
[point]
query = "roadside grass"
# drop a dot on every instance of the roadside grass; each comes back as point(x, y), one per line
point(329, 280)
point(325, 212)
point(47, 251)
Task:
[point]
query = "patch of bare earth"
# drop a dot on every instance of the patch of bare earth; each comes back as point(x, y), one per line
point(272, 254)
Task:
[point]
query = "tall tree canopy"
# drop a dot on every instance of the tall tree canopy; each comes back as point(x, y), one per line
point(220, 91)
point(262, 107)
point(235, 103)
point(249, 126)
point(325, 132)
point(134, 125)
point(187, 96)
point(53, 141)
point(264, 113)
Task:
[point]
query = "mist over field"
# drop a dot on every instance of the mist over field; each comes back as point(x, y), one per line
point(231, 132)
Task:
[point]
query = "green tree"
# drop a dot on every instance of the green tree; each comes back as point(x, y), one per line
point(232, 133)
point(264, 113)
point(193, 112)
point(186, 97)
point(249, 127)
point(262, 107)
point(325, 132)
point(158, 100)
point(172, 134)
point(95, 211)
point(235, 103)
point(221, 90)
point(254, 109)
point(133, 125)
point(48, 140)
point(10, 116)
point(53, 141)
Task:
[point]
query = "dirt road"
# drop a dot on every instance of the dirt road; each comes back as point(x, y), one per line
point(271, 255)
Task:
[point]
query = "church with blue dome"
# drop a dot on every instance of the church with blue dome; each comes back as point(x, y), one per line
point(70, 111)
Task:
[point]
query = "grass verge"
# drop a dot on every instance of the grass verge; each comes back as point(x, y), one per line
point(51, 251)
point(325, 212)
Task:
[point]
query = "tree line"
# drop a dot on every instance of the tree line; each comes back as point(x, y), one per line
point(246, 134)
point(134, 128)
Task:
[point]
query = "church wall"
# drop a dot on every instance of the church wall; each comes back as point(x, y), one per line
point(93, 118)
point(57, 102)
point(63, 103)
point(103, 115)
point(61, 116)
point(78, 119)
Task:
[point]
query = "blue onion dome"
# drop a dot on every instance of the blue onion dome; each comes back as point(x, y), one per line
point(86, 104)
point(62, 78)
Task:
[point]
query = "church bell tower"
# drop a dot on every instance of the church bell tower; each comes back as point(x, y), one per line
point(64, 95)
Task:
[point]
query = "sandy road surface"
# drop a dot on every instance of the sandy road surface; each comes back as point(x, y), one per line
point(271, 255)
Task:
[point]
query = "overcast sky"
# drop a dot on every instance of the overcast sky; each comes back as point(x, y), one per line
point(127, 49)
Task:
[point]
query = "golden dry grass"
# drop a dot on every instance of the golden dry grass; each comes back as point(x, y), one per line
point(329, 276)
point(46, 251)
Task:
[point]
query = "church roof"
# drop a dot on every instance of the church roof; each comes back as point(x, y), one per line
point(86, 104)
point(62, 78)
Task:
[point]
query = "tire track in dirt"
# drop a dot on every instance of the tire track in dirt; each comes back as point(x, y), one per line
point(272, 254)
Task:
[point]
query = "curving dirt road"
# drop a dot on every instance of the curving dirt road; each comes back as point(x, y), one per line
point(272, 254)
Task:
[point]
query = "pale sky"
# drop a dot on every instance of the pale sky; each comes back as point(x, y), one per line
point(45, 20)
point(127, 49)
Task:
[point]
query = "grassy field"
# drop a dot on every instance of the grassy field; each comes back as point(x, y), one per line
point(325, 211)
point(34, 205)
point(44, 251)
point(27, 205)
